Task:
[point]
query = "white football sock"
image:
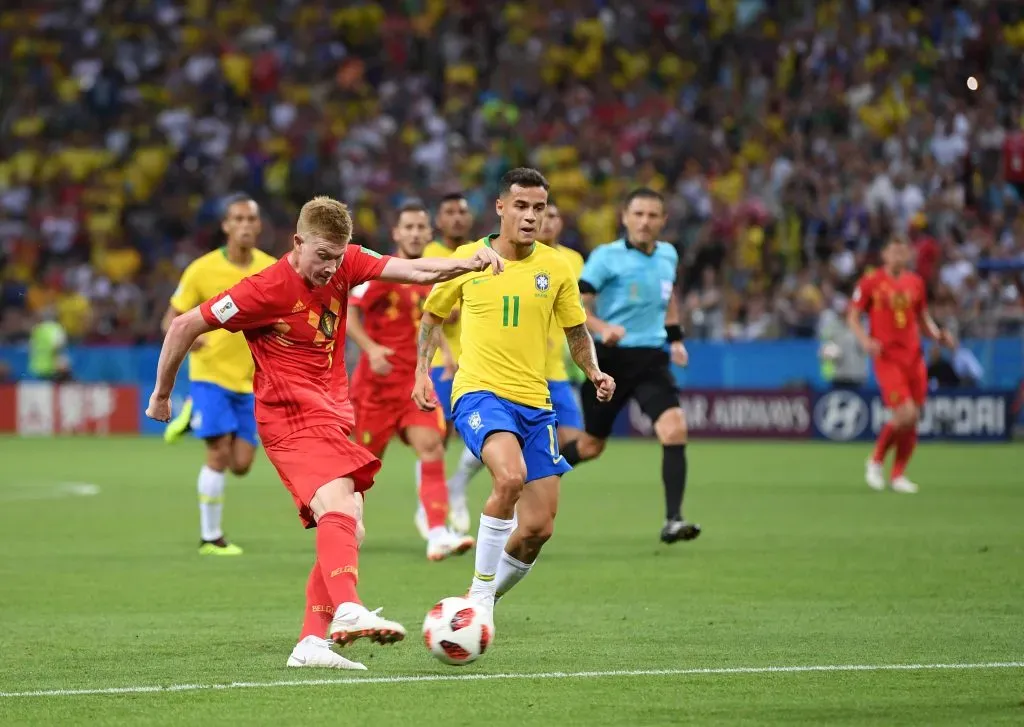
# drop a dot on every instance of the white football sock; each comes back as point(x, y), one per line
point(510, 572)
point(490, 544)
point(459, 482)
point(211, 503)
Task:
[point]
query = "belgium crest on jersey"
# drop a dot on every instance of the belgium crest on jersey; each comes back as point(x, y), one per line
point(327, 323)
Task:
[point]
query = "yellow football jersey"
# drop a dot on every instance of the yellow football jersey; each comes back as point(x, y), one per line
point(556, 337)
point(225, 359)
point(505, 322)
point(451, 331)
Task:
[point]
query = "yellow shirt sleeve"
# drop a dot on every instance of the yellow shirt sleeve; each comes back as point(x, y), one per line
point(568, 308)
point(444, 297)
point(187, 295)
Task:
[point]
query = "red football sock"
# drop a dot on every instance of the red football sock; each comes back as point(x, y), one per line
point(337, 552)
point(905, 444)
point(319, 609)
point(434, 493)
point(886, 439)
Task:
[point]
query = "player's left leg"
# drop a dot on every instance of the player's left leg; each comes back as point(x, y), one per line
point(659, 400)
point(214, 420)
point(535, 524)
point(425, 435)
point(538, 503)
point(907, 416)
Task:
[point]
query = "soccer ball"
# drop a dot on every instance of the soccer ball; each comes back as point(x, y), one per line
point(457, 631)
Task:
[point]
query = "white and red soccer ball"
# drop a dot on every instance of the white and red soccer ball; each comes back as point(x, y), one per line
point(457, 631)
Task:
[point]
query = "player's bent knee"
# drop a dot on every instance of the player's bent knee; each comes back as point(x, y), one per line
point(589, 447)
point(537, 532)
point(509, 482)
point(241, 469)
point(218, 454)
point(670, 427)
point(433, 452)
point(336, 496)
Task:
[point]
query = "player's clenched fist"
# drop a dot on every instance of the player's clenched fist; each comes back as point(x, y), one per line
point(423, 392)
point(159, 408)
point(485, 258)
point(604, 384)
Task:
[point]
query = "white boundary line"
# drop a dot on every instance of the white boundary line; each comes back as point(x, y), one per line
point(491, 677)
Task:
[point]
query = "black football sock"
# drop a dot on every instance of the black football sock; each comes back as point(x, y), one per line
point(571, 453)
point(673, 476)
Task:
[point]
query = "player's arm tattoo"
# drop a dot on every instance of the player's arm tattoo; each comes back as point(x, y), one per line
point(581, 346)
point(426, 344)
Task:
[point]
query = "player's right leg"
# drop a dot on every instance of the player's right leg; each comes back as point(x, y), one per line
point(213, 420)
point(538, 504)
point(324, 454)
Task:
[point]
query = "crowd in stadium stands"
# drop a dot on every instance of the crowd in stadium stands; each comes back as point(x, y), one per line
point(789, 138)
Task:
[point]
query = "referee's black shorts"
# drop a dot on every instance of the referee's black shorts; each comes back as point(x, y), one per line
point(643, 374)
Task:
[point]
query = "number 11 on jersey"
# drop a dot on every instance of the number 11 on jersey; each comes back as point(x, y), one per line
point(506, 300)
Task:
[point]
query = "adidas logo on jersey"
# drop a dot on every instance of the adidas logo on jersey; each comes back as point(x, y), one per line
point(299, 305)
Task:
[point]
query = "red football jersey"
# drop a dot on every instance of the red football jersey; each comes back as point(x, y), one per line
point(391, 317)
point(292, 330)
point(893, 305)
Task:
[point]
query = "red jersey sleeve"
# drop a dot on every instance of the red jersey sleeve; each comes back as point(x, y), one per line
point(361, 265)
point(254, 302)
point(862, 292)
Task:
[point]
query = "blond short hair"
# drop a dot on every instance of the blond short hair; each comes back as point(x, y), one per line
point(326, 218)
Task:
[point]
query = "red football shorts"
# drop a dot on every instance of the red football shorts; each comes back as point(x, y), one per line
point(310, 458)
point(900, 382)
point(378, 421)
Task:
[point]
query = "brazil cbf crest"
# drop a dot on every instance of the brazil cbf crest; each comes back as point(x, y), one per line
point(542, 281)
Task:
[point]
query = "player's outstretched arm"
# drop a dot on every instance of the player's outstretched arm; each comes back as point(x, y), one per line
point(581, 347)
point(430, 270)
point(426, 345)
point(181, 334)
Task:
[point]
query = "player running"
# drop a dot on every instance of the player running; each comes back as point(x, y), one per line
point(383, 319)
point(563, 395)
point(293, 314)
point(454, 220)
point(896, 303)
point(500, 398)
point(220, 405)
point(629, 292)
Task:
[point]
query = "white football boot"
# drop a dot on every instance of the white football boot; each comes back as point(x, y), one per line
point(354, 621)
point(448, 543)
point(458, 516)
point(313, 651)
point(904, 486)
point(874, 475)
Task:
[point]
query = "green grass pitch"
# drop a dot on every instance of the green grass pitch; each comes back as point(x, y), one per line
point(800, 565)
